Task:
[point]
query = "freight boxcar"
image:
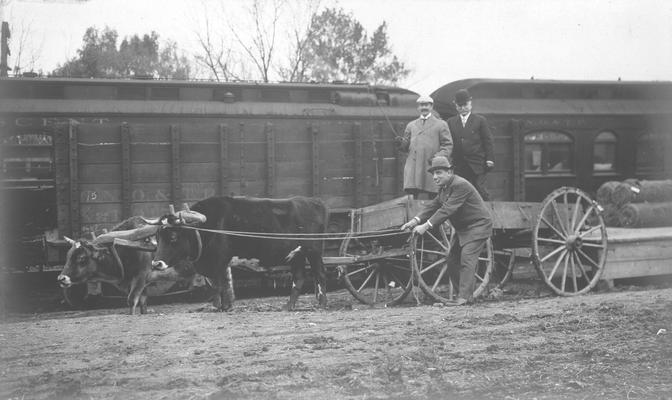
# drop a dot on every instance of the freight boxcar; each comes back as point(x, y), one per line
point(80, 155)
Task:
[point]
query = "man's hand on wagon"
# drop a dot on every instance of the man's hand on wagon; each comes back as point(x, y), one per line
point(417, 227)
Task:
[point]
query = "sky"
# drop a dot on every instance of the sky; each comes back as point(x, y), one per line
point(439, 40)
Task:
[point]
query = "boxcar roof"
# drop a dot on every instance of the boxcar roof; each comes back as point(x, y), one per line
point(517, 96)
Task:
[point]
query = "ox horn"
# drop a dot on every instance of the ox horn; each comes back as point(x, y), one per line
point(189, 217)
point(70, 241)
point(131, 235)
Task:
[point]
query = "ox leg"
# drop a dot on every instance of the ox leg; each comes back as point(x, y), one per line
point(134, 295)
point(224, 296)
point(320, 276)
point(298, 278)
point(143, 303)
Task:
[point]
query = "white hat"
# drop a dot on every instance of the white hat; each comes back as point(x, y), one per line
point(424, 99)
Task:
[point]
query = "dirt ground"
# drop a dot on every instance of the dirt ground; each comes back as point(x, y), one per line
point(525, 345)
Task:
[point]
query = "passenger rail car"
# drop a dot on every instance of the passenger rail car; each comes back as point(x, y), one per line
point(550, 134)
point(80, 155)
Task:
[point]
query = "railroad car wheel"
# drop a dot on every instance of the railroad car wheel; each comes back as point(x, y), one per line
point(505, 260)
point(429, 260)
point(379, 282)
point(569, 242)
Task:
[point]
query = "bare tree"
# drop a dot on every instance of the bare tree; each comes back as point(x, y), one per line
point(298, 38)
point(263, 16)
point(217, 58)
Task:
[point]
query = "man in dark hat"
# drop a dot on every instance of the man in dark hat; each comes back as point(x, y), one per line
point(423, 139)
point(473, 144)
point(459, 202)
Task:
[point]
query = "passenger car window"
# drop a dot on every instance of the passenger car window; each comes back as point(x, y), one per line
point(604, 152)
point(548, 153)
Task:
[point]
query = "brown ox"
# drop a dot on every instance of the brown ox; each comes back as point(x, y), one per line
point(122, 258)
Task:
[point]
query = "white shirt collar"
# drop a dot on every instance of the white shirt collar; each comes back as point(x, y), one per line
point(465, 117)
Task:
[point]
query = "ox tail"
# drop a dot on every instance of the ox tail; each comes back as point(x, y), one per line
point(293, 254)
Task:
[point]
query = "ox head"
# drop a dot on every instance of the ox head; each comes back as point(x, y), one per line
point(85, 259)
point(177, 245)
point(81, 262)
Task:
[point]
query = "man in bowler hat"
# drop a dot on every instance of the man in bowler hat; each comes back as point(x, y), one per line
point(459, 202)
point(473, 153)
point(423, 139)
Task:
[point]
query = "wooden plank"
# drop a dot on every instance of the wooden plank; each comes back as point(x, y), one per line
point(270, 160)
point(175, 175)
point(101, 213)
point(191, 152)
point(150, 152)
point(75, 228)
point(518, 161)
point(241, 158)
point(99, 153)
point(315, 160)
point(223, 160)
point(377, 152)
point(126, 180)
point(98, 133)
point(61, 175)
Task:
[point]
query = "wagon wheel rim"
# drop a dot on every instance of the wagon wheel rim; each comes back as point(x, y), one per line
point(384, 282)
point(569, 242)
point(429, 256)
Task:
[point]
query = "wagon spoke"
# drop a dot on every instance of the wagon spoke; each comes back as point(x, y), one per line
point(551, 254)
point(438, 279)
point(436, 252)
point(557, 232)
point(571, 262)
point(590, 260)
point(358, 271)
point(585, 217)
point(589, 231)
point(555, 266)
point(576, 213)
point(583, 270)
point(432, 266)
point(557, 215)
point(368, 278)
point(586, 244)
point(437, 241)
point(551, 240)
point(404, 268)
point(564, 273)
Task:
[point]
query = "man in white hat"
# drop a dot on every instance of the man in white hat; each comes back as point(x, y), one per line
point(424, 139)
point(457, 201)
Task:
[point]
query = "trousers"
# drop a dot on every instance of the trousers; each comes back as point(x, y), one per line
point(462, 264)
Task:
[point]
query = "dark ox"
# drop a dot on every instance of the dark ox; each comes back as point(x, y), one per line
point(131, 272)
point(180, 247)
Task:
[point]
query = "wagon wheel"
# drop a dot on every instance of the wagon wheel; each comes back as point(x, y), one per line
point(385, 281)
point(569, 242)
point(505, 260)
point(429, 259)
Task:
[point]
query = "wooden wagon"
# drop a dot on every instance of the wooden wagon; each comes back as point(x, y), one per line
point(565, 234)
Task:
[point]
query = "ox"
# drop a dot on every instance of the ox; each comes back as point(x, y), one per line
point(128, 266)
point(184, 250)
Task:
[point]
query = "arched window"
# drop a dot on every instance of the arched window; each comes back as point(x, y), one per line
point(604, 152)
point(548, 153)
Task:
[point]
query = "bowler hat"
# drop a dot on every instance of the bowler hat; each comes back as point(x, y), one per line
point(440, 162)
point(462, 96)
point(425, 99)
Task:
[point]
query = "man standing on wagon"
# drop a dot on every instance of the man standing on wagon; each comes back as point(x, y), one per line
point(473, 155)
point(459, 202)
point(424, 138)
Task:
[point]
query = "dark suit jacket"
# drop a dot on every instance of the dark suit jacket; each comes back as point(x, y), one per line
point(459, 202)
point(473, 143)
